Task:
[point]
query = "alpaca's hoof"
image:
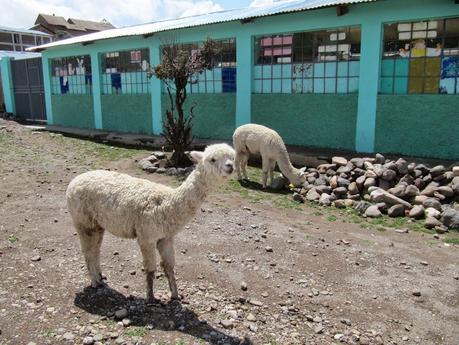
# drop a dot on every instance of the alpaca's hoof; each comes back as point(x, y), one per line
point(175, 298)
point(98, 284)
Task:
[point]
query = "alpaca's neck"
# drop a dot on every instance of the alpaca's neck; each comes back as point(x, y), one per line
point(186, 199)
point(285, 166)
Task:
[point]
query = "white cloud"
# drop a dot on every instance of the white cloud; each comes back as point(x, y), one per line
point(22, 13)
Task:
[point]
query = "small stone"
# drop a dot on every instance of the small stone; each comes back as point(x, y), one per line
point(68, 336)
point(36, 258)
point(379, 159)
point(396, 211)
point(417, 212)
point(340, 161)
point(437, 170)
point(373, 212)
point(450, 218)
point(312, 195)
point(431, 212)
point(325, 199)
point(456, 170)
point(251, 317)
point(244, 286)
point(269, 249)
point(126, 322)
point(297, 197)
point(227, 324)
point(416, 293)
point(431, 222)
point(319, 329)
point(88, 341)
point(339, 336)
point(432, 202)
point(255, 303)
point(121, 314)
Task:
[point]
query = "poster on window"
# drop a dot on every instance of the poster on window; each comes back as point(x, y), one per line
point(136, 56)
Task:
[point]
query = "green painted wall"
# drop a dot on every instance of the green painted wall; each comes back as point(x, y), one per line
point(309, 119)
point(73, 110)
point(418, 125)
point(127, 113)
point(214, 114)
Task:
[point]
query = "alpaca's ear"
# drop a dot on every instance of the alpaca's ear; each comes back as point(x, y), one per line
point(196, 156)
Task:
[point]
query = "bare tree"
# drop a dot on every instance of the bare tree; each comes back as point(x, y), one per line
point(176, 69)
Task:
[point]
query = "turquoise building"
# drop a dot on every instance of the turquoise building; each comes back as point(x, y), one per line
point(360, 75)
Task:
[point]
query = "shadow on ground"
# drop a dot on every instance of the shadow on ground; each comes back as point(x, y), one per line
point(259, 187)
point(165, 316)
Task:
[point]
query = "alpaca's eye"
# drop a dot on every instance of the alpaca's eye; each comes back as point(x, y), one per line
point(213, 160)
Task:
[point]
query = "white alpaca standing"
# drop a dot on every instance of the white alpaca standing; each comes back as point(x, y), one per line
point(252, 138)
point(152, 213)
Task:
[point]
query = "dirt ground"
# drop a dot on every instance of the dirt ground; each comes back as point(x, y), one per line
point(313, 275)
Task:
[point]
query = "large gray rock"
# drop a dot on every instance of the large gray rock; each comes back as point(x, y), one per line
point(432, 202)
point(380, 195)
point(429, 190)
point(343, 182)
point(431, 212)
point(325, 199)
point(313, 195)
point(373, 212)
point(419, 199)
point(417, 212)
point(398, 191)
point(340, 191)
point(455, 170)
point(379, 158)
point(455, 188)
point(323, 189)
point(396, 211)
point(362, 206)
point(402, 166)
point(147, 165)
point(345, 169)
point(358, 162)
point(388, 175)
point(369, 182)
point(423, 168)
point(437, 170)
point(159, 154)
point(451, 218)
point(360, 181)
point(340, 161)
point(353, 189)
point(279, 182)
point(446, 191)
point(411, 191)
point(431, 222)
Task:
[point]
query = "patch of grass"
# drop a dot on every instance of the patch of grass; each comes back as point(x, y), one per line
point(318, 213)
point(12, 238)
point(136, 332)
point(332, 218)
point(451, 240)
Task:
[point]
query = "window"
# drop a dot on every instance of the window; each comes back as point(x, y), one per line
point(125, 72)
point(325, 61)
point(71, 75)
point(222, 78)
point(28, 40)
point(421, 57)
point(6, 37)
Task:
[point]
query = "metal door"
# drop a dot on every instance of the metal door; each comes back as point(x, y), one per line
point(28, 89)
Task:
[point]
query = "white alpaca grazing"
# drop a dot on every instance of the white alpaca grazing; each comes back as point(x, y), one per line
point(252, 138)
point(152, 213)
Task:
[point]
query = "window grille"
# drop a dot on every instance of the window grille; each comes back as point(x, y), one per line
point(421, 57)
point(125, 72)
point(222, 78)
point(71, 75)
point(325, 61)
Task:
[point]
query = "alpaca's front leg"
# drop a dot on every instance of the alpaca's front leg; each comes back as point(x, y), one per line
point(166, 251)
point(265, 169)
point(149, 264)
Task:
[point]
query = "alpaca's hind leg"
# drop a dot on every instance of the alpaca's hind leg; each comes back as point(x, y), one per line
point(237, 165)
point(91, 240)
point(265, 169)
point(244, 161)
point(149, 265)
point(166, 250)
point(272, 166)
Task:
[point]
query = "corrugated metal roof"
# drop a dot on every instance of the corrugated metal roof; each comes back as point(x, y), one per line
point(23, 31)
point(18, 55)
point(203, 19)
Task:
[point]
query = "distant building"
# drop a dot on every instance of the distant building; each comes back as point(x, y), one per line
point(60, 28)
point(12, 39)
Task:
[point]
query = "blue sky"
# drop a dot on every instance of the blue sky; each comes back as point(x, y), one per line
point(22, 13)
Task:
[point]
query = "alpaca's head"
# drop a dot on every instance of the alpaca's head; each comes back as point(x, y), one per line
point(299, 177)
point(217, 160)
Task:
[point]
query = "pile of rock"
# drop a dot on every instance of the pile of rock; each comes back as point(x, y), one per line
point(379, 185)
point(158, 162)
